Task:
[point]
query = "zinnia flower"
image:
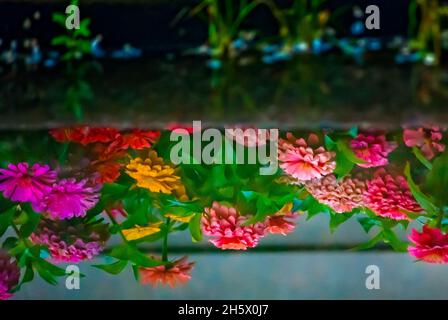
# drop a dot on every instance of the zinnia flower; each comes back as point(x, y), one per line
point(9, 275)
point(70, 240)
point(84, 134)
point(373, 149)
point(225, 225)
point(390, 197)
point(153, 174)
point(179, 127)
point(281, 222)
point(249, 137)
point(173, 274)
point(431, 245)
point(69, 199)
point(301, 161)
point(24, 184)
point(108, 171)
point(341, 196)
point(426, 139)
point(137, 139)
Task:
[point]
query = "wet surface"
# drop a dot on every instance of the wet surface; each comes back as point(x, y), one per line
point(155, 92)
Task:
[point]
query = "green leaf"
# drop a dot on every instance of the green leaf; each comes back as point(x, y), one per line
point(44, 273)
point(369, 244)
point(368, 223)
point(391, 238)
point(424, 201)
point(348, 152)
point(32, 222)
point(419, 155)
point(353, 132)
point(336, 219)
point(51, 268)
point(6, 220)
point(343, 166)
point(61, 40)
point(113, 268)
point(18, 249)
point(195, 227)
point(59, 18)
point(135, 271)
point(329, 143)
point(130, 253)
point(10, 243)
point(313, 207)
point(436, 181)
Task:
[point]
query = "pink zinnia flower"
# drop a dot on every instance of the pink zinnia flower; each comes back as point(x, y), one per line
point(390, 196)
point(69, 199)
point(342, 196)
point(302, 162)
point(247, 136)
point(9, 275)
point(225, 225)
point(431, 245)
point(173, 274)
point(426, 139)
point(373, 149)
point(70, 241)
point(24, 184)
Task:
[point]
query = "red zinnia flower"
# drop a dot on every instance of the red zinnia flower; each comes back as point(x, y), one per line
point(84, 134)
point(173, 274)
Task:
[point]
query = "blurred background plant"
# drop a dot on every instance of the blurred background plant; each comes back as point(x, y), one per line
point(304, 21)
point(76, 43)
point(225, 19)
point(427, 29)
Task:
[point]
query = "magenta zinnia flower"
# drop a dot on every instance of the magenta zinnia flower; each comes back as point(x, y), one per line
point(69, 199)
point(390, 196)
point(431, 245)
point(70, 240)
point(24, 184)
point(373, 149)
point(341, 196)
point(302, 162)
point(426, 139)
point(173, 274)
point(9, 275)
point(225, 225)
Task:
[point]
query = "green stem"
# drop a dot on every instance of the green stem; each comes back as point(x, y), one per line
point(115, 223)
point(19, 235)
point(165, 241)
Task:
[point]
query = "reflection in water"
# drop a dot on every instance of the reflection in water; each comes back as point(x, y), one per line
point(65, 197)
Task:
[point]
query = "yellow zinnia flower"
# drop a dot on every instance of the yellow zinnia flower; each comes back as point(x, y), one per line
point(153, 174)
